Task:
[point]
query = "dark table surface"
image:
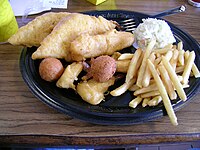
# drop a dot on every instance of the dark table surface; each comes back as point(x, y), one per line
point(25, 120)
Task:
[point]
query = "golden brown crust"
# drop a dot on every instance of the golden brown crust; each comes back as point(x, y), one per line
point(35, 31)
point(88, 46)
point(70, 75)
point(57, 43)
point(92, 91)
point(103, 68)
point(50, 69)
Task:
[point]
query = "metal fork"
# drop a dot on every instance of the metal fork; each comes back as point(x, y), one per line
point(130, 24)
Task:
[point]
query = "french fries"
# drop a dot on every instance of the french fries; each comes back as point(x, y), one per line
point(147, 74)
point(144, 63)
point(135, 102)
point(194, 67)
point(162, 76)
point(157, 75)
point(155, 101)
point(145, 102)
point(174, 79)
point(133, 65)
point(123, 88)
point(163, 50)
point(133, 88)
point(122, 65)
point(188, 67)
point(125, 56)
point(157, 61)
point(150, 94)
point(163, 93)
point(169, 55)
point(180, 46)
point(167, 82)
point(174, 59)
point(181, 57)
point(150, 88)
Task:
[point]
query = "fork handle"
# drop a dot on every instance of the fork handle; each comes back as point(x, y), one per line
point(170, 12)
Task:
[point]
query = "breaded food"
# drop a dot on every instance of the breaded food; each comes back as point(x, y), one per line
point(102, 68)
point(50, 69)
point(88, 46)
point(57, 44)
point(92, 91)
point(35, 31)
point(70, 75)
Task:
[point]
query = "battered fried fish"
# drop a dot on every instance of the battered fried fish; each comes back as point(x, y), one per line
point(92, 91)
point(88, 46)
point(57, 43)
point(35, 31)
point(70, 75)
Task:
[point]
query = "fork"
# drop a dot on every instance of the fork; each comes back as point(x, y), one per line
point(130, 24)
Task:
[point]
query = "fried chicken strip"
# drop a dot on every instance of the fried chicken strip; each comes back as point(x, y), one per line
point(57, 43)
point(70, 75)
point(35, 31)
point(92, 91)
point(88, 46)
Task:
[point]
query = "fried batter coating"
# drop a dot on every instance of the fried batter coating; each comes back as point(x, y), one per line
point(57, 43)
point(92, 91)
point(88, 46)
point(102, 68)
point(70, 75)
point(35, 31)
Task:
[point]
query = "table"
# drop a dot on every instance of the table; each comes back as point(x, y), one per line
point(25, 120)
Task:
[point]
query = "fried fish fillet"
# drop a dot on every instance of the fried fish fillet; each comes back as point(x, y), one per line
point(57, 43)
point(70, 75)
point(35, 31)
point(92, 91)
point(88, 46)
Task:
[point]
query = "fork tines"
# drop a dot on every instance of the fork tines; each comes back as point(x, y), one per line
point(128, 24)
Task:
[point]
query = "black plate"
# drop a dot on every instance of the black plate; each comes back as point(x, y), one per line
point(114, 110)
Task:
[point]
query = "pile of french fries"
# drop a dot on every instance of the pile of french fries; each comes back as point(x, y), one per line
point(157, 75)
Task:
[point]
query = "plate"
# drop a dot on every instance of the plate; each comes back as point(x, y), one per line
point(114, 110)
